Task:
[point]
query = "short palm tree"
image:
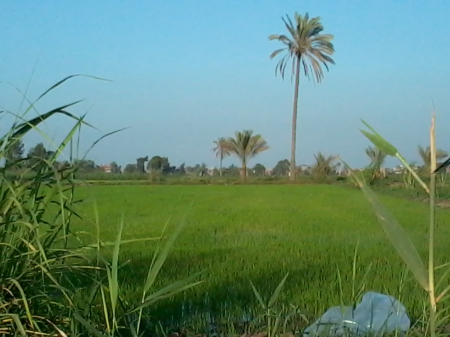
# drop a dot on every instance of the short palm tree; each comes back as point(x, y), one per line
point(377, 157)
point(245, 146)
point(323, 166)
point(425, 155)
point(221, 150)
point(308, 49)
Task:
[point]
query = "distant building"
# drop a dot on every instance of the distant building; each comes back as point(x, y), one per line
point(106, 168)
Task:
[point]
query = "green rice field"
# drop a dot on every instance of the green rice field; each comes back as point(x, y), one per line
point(259, 233)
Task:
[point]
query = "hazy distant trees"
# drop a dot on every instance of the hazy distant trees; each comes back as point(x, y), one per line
point(425, 155)
point(15, 152)
point(36, 154)
point(232, 171)
point(115, 169)
point(308, 49)
point(281, 169)
point(158, 164)
point(140, 163)
point(259, 170)
point(198, 170)
point(130, 169)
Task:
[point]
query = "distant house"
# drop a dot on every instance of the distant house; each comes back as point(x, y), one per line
point(105, 168)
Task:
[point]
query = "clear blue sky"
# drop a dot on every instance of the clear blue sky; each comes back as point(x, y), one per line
point(185, 72)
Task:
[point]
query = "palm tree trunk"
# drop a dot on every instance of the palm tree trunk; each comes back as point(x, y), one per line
point(294, 120)
point(244, 170)
point(220, 169)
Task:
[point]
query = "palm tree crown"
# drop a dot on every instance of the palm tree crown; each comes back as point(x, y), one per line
point(306, 45)
point(245, 146)
point(377, 157)
point(221, 150)
point(425, 155)
point(324, 165)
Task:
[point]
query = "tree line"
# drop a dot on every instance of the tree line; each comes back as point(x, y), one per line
point(245, 145)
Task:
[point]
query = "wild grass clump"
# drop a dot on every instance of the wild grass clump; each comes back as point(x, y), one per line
point(35, 217)
point(50, 281)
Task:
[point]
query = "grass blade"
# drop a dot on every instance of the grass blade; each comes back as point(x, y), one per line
point(379, 141)
point(396, 235)
point(277, 291)
point(88, 325)
point(114, 284)
point(162, 256)
point(258, 296)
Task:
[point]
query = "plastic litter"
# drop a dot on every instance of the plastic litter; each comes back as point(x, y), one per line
point(377, 315)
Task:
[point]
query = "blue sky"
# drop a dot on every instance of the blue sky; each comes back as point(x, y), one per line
point(184, 73)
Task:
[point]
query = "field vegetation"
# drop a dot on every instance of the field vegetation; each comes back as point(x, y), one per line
point(154, 249)
point(259, 233)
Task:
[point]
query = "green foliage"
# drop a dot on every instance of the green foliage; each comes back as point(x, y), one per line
point(379, 141)
point(131, 169)
point(221, 151)
point(436, 316)
point(258, 170)
point(124, 317)
point(231, 171)
point(281, 169)
point(261, 232)
point(157, 163)
point(323, 166)
point(115, 169)
point(199, 170)
point(14, 151)
point(305, 43)
point(408, 178)
point(245, 146)
point(425, 155)
point(51, 281)
point(140, 162)
point(35, 216)
point(397, 236)
point(271, 314)
point(391, 150)
point(374, 171)
point(307, 48)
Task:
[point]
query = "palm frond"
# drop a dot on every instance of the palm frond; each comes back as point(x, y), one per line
point(245, 146)
point(425, 155)
point(305, 43)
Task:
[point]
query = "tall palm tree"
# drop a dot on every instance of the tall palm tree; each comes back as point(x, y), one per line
point(245, 146)
point(307, 48)
point(221, 150)
point(425, 155)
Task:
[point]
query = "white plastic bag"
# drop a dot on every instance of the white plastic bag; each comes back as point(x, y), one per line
point(377, 314)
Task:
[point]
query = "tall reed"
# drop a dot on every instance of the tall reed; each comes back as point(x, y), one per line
point(401, 242)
